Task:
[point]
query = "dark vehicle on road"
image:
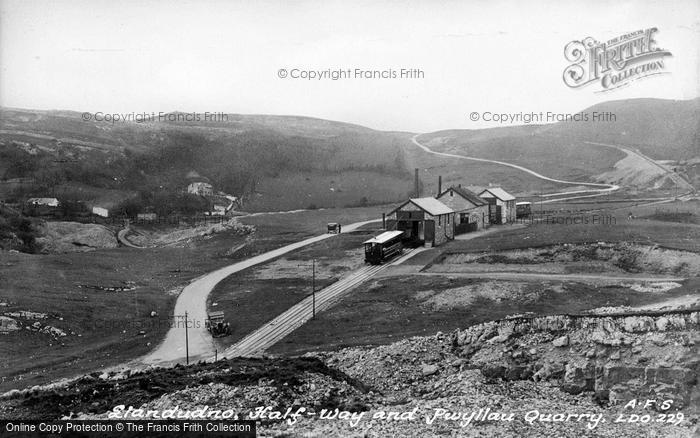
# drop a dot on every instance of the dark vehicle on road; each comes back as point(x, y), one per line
point(383, 247)
point(523, 209)
point(333, 228)
point(216, 324)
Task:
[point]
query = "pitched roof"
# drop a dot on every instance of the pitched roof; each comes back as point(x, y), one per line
point(430, 205)
point(466, 194)
point(384, 237)
point(499, 193)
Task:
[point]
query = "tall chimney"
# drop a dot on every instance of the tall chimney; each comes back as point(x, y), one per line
point(439, 185)
point(417, 185)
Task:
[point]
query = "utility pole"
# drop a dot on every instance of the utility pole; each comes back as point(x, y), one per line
point(313, 288)
point(187, 341)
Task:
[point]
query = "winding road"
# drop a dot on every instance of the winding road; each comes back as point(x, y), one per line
point(601, 190)
point(193, 300)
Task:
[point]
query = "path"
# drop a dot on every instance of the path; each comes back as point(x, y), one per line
point(121, 237)
point(605, 188)
point(193, 300)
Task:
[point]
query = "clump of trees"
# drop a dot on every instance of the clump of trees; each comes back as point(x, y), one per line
point(17, 232)
point(164, 203)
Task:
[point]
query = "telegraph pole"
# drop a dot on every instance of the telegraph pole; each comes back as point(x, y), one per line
point(313, 287)
point(187, 341)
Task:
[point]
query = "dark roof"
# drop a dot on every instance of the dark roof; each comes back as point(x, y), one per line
point(466, 194)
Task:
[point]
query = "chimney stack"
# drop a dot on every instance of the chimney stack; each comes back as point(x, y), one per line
point(417, 185)
point(439, 185)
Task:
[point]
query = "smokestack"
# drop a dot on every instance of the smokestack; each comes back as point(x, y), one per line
point(417, 185)
point(439, 185)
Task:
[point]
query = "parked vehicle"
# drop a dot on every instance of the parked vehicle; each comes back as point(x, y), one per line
point(333, 228)
point(383, 247)
point(523, 209)
point(216, 324)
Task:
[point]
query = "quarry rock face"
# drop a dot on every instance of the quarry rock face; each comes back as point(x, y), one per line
point(615, 357)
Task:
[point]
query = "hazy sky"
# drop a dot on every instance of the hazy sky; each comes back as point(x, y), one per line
point(500, 56)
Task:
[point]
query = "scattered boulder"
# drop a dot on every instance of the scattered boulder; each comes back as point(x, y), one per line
point(429, 370)
point(8, 324)
point(562, 341)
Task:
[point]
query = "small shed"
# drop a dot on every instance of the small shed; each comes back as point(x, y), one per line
point(502, 204)
point(47, 202)
point(100, 211)
point(200, 188)
point(424, 221)
point(471, 212)
point(146, 217)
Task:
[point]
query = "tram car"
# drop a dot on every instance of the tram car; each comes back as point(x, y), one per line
point(523, 209)
point(383, 247)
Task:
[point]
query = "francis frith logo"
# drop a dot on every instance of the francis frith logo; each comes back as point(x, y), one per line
point(616, 62)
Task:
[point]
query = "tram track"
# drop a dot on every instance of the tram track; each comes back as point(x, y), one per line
point(284, 324)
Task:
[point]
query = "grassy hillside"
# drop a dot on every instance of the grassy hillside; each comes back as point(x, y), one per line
point(57, 149)
point(661, 129)
point(291, 162)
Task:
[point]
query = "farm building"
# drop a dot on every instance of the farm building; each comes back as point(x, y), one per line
point(424, 220)
point(47, 202)
point(200, 188)
point(502, 205)
point(146, 217)
point(100, 211)
point(471, 212)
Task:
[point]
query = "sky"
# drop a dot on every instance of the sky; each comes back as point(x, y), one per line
point(211, 55)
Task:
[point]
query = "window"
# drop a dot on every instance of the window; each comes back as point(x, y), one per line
point(448, 219)
point(439, 220)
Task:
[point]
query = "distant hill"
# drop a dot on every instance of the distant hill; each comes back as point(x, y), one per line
point(661, 129)
point(289, 162)
point(251, 156)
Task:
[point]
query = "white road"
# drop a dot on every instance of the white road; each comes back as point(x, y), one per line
point(193, 300)
point(601, 189)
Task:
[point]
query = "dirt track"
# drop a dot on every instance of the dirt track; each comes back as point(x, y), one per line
point(193, 300)
point(601, 190)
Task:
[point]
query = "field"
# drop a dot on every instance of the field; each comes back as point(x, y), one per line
point(255, 296)
point(413, 303)
point(103, 299)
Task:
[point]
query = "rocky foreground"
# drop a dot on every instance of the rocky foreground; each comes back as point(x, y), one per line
point(559, 376)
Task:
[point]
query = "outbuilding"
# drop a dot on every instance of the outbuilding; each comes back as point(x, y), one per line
point(424, 221)
point(100, 211)
point(502, 205)
point(471, 212)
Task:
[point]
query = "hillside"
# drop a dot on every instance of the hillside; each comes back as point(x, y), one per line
point(291, 162)
point(586, 150)
point(249, 156)
point(659, 128)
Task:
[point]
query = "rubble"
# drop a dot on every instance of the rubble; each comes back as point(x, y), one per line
point(517, 367)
